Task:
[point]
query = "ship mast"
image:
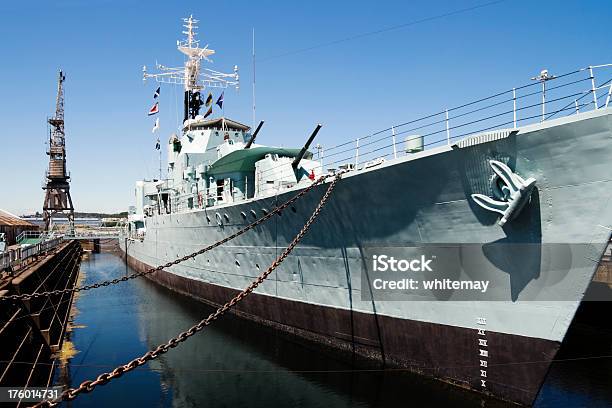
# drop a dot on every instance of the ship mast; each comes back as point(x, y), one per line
point(192, 76)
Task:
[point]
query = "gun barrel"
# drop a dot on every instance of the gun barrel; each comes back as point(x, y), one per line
point(250, 142)
point(299, 157)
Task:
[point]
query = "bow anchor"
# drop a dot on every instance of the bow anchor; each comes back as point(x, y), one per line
point(516, 191)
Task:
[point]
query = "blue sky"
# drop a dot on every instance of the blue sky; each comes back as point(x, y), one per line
point(352, 87)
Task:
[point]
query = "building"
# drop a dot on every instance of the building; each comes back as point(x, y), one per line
point(11, 225)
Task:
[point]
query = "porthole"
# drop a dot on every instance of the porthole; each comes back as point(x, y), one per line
point(253, 213)
point(293, 209)
point(257, 266)
point(243, 214)
point(237, 263)
point(226, 217)
point(264, 211)
point(219, 220)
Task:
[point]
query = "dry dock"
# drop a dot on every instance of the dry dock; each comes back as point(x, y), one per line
point(31, 331)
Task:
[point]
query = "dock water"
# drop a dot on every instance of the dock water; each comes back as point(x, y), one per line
point(234, 362)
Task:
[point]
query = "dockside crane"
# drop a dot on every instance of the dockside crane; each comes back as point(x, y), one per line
point(57, 187)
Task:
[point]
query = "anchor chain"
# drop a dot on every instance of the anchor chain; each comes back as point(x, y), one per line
point(29, 296)
point(104, 378)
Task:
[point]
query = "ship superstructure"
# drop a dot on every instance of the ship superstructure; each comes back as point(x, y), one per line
point(214, 162)
point(519, 188)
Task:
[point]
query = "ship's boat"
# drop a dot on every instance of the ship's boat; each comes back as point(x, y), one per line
point(512, 191)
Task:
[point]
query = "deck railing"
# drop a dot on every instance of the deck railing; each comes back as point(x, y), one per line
point(15, 258)
point(96, 233)
point(546, 97)
point(28, 234)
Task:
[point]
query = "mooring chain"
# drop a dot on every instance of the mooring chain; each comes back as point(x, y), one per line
point(90, 385)
point(28, 296)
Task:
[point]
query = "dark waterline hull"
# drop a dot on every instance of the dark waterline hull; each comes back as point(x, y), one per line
point(517, 365)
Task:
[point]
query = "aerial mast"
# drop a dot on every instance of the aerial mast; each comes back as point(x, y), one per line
point(57, 187)
point(253, 56)
point(192, 76)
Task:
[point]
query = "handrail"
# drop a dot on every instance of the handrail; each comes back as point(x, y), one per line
point(446, 124)
point(515, 97)
point(16, 257)
point(29, 234)
point(440, 141)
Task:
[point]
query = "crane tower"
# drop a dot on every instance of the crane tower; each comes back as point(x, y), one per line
point(57, 187)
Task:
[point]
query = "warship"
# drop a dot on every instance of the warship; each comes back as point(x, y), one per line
point(518, 183)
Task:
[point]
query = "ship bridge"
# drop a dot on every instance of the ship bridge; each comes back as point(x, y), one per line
point(216, 124)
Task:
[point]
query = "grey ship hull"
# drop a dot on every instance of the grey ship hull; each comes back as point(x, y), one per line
point(316, 293)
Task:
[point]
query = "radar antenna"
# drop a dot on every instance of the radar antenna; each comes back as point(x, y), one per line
point(192, 76)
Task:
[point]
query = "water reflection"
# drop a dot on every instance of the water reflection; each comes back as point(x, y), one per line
point(239, 362)
point(583, 373)
point(231, 363)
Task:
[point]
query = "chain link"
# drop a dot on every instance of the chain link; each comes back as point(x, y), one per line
point(29, 296)
point(90, 385)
